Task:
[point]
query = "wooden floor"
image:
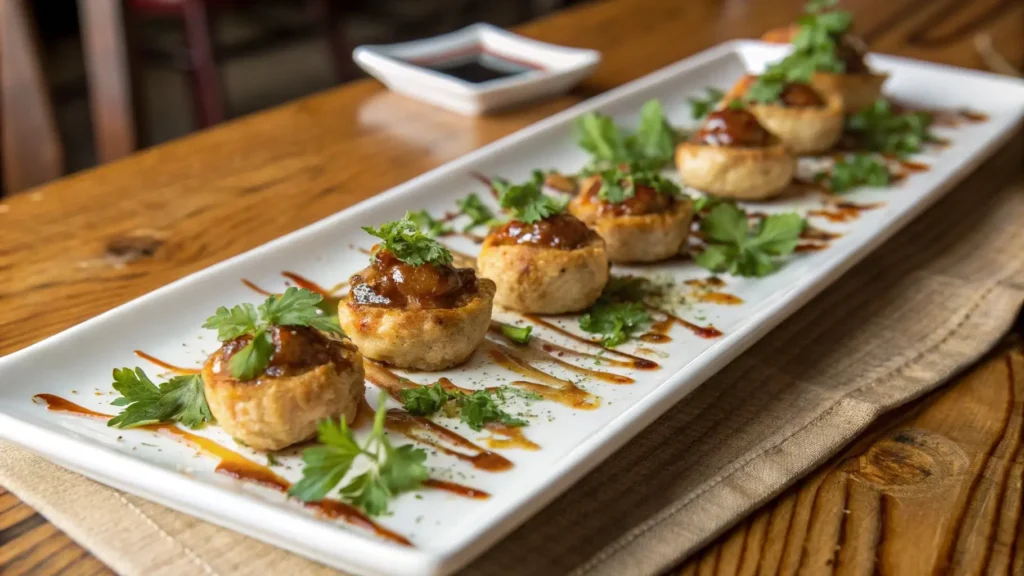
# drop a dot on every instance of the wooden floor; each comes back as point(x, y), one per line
point(936, 491)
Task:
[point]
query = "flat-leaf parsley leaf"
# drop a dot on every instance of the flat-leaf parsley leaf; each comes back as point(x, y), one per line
point(733, 247)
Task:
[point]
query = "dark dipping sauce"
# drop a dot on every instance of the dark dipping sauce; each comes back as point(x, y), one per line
point(733, 127)
point(562, 231)
point(390, 283)
point(798, 95)
point(477, 66)
point(297, 350)
point(645, 200)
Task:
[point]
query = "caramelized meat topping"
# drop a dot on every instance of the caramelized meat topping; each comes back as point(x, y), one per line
point(562, 231)
point(297, 350)
point(645, 200)
point(851, 50)
point(801, 96)
point(733, 127)
point(388, 282)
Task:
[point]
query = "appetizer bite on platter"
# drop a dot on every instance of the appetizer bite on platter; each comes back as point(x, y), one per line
point(641, 215)
point(808, 120)
point(410, 307)
point(281, 369)
point(832, 57)
point(734, 156)
point(544, 261)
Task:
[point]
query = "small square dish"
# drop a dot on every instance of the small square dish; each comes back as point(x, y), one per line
point(477, 69)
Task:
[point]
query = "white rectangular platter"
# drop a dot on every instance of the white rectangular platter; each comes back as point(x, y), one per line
point(447, 531)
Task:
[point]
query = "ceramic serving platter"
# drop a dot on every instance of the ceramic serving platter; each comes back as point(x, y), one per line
point(447, 530)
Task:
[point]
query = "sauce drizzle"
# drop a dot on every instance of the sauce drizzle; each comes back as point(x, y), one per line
point(554, 389)
point(541, 350)
point(385, 379)
point(634, 361)
point(166, 365)
point(236, 466)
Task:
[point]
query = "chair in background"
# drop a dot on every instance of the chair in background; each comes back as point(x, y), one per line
point(32, 151)
point(199, 56)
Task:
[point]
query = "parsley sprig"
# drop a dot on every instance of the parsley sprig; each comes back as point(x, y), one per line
point(856, 170)
point(881, 129)
point(526, 201)
point(430, 226)
point(651, 146)
point(475, 410)
point(815, 49)
point(734, 247)
point(618, 183)
point(478, 212)
point(617, 322)
point(517, 334)
point(390, 472)
point(701, 106)
point(180, 399)
point(296, 307)
point(408, 243)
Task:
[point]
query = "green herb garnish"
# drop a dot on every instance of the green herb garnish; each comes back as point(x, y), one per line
point(619, 183)
point(517, 334)
point(478, 212)
point(615, 321)
point(702, 106)
point(651, 146)
point(296, 307)
point(856, 170)
point(733, 247)
point(878, 128)
point(430, 226)
point(527, 202)
point(180, 399)
point(475, 410)
point(391, 470)
point(408, 243)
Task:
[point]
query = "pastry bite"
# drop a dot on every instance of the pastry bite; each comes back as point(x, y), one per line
point(410, 307)
point(641, 216)
point(857, 85)
point(269, 386)
point(807, 120)
point(734, 156)
point(544, 261)
point(828, 57)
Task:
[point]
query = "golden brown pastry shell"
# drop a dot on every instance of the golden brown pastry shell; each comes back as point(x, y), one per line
point(858, 91)
point(422, 339)
point(542, 280)
point(804, 130)
point(272, 413)
point(736, 172)
point(642, 237)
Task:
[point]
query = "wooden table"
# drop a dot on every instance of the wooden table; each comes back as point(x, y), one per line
point(85, 244)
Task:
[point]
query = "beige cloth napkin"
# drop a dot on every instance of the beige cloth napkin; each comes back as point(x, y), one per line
point(930, 302)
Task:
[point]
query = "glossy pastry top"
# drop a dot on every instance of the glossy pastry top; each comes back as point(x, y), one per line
point(389, 282)
point(562, 231)
point(733, 127)
point(797, 95)
point(297, 350)
point(645, 200)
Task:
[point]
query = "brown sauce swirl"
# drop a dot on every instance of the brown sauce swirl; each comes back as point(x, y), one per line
point(388, 282)
point(297, 350)
point(733, 127)
point(562, 231)
point(645, 200)
point(797, 95)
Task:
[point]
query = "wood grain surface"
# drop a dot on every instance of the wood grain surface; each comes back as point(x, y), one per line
point(84, 244)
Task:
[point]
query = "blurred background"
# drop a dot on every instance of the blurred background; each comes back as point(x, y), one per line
point(182, 65)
